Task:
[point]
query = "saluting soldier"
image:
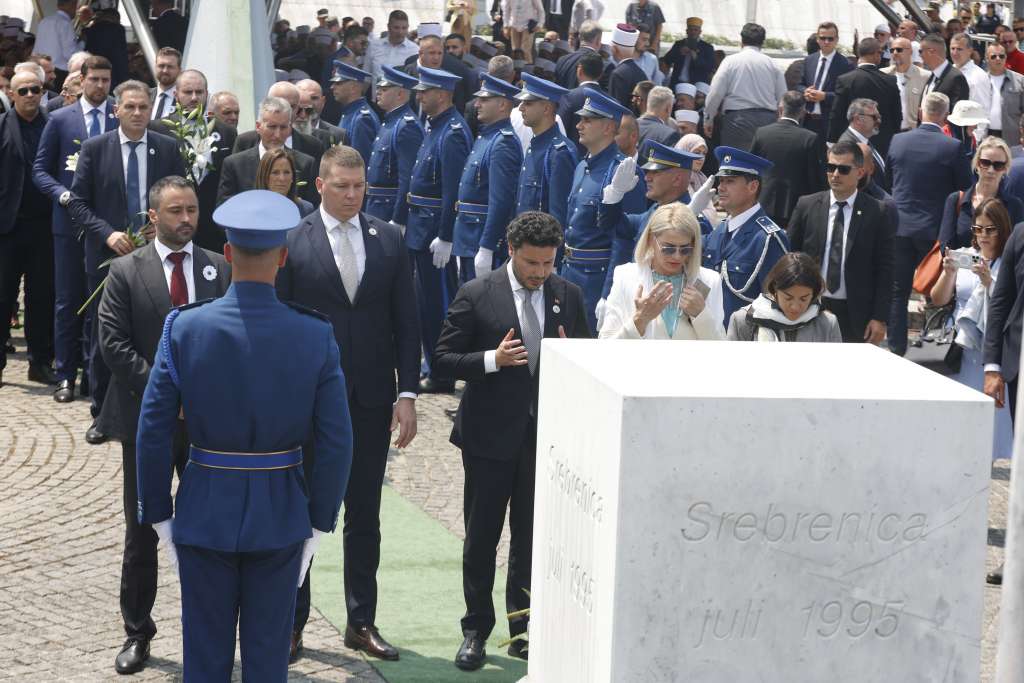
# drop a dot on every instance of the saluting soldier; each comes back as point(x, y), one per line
point(745, 246)
point(358, 120)
point(545, 178)
point(255, 378)
point(433, 190)
point(394, 150)
point(589, 241)
point(486, 203)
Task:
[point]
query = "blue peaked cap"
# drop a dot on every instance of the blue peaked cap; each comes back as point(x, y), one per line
point(392, 76)
point(662, 157)
point(600, 105)
point(535, 88)
point(347, 72)
point(436, 78)
point(495, 87)
point(732, 161)
point(257, 219)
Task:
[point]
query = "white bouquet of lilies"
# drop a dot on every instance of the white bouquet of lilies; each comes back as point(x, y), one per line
point(197, 140)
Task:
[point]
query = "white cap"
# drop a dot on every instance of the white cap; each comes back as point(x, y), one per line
point(883, 28)
point(625, 35)
point(686, 89)
point(687, 115)
point(431, 28)
point(968, 113)
point(703, 87)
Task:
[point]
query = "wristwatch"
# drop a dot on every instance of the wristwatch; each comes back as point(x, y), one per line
point(64, 198)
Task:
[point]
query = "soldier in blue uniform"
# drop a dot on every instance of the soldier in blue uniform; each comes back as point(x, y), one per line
point(745, 246)
point(588, 243)
point(254, 378)
point(348, 85)
point(433, 191)
point(394, 150)
point(550, 160)
point(486, 202)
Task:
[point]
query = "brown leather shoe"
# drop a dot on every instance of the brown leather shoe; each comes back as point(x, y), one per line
point(296, 648)
point(369, 640)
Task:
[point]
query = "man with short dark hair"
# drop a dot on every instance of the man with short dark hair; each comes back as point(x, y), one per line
point(392, 50)
point(945, 77)
point(589, 69)
point(455, 45)
point(818, 81)
point(495, 348)
point(868, 82)
point(168, 66)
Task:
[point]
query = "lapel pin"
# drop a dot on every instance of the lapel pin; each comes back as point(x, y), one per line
point(152, 151)
point(372, 231)
point(858, 213)
point(210, 273)
point(556, 308)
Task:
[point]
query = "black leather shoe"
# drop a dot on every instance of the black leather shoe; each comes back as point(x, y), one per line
point(133, 656)
point(296, 649)
point(369, 640)
point(44, 374)
point(472, 653)
point(94, 436)
point(433, 386)
point(995, 577)
point(65, 392)
point(518, 649)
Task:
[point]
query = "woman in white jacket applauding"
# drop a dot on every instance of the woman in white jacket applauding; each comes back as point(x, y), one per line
point(665, 294)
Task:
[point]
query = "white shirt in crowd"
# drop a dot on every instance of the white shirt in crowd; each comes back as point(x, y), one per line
point(995, 105)
point(87, 108)
point(748, 79)
point(833, 208)
point(142, 154)
point(649, 63)
point(824, 75)
point(977, 79)
point(55, 36)
point(738, 221)
point(263, 150)
point(354, 231)
point(163, 251)
point(163, 108)
point(382, 52)
point(519, 296)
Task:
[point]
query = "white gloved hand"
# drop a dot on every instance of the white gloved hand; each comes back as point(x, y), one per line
point(164, 531)
point(309, 548)
point(483, 261)
point(599, 311)
point(623, 180)
point(442, 251)
point(699, 200)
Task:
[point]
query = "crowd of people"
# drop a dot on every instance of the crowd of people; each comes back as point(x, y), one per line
point(447, 201)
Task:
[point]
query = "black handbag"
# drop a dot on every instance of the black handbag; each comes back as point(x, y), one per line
point(954, 357)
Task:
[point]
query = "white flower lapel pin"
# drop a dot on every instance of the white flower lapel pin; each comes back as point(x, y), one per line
point(152, 151)
point(210, 273)
point(556, 308)
point(372, 231)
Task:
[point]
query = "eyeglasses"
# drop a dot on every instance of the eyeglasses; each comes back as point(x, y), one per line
point(989, 163)
point(985, 230)
point(876, 117)
point(308, 111)
point(827, 39)
point(844, 169)
point(34, 89)
point(898, 50)
point(670, 249)
point(1011, 41)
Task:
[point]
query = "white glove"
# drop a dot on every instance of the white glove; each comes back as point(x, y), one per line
point(699, 200)
point(164, 531)
point(483, 261)
point(442, 251)
point(599, 311)
point(309, 548)
point(623, 180)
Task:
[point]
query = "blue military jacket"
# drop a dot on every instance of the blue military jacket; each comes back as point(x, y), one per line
point(390, 165)
point(361, 124)
point(744, 258)
point(546, 175)
point(253, 375)
point(434, 187)
point(629, 227)
point(486, 202)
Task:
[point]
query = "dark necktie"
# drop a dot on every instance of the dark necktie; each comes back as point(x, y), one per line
point(94, 125)
point(817, 80)
point(531, 330)
point(160, 103)
point(131, 187)
point(835, 250)
point(179, 289)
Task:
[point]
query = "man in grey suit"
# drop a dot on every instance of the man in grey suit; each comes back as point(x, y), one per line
point(141, 289)
point(654, 123)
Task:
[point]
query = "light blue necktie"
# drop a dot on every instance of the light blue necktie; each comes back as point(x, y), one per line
point(132, 187)
point(94, 125)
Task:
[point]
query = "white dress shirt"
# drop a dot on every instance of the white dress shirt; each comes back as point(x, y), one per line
point(163, 251)
point(936, 75)
point(168, 107)
point(824, 77)
point(977, 79)
point(382, 52)
point(263, 150)
point(995, 105)
point(519, 297)
point(738, 221)
point(142, 154)
point(833, 208)
point(55, 36)
point(87, 107)
point(355, 235)
point(748, 79)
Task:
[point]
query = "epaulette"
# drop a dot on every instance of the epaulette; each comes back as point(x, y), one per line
point(364, 110)
point(409, 117)
point(507, 131)
point(456, 125)
point(559, 145)
point(308, 311)
point(194, 304)
point(768, 225)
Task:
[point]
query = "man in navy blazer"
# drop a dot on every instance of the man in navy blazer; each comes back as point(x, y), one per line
point(62, 138)
point(355, 269)
point(109, 165)
point(818, 82)
point(924, 167)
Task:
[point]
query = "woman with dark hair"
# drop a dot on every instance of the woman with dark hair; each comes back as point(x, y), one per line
point(789, 309)
point(970, 275)
point(276, 173)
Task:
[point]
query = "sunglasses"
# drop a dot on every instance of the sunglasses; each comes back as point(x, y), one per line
point(988, 163)
point(670, 249)
point(898, 50)
point(991, 57)
point(844, 169)
point(1011, 41)
point(34, 89)
point(1018, 29)
point(308, 111)
point(985, 230)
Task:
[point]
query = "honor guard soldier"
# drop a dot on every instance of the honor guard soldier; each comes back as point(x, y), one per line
point(588, 245)
point(433, 191)
point(745, 246)
point(253, 378)
point(358, 120)
point(486, 204)
point(550, 160)
point(394, 150)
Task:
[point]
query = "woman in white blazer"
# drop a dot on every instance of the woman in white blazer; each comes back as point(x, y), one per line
point(665, 294)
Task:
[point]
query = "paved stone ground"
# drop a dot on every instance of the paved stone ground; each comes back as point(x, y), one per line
point(61, 533)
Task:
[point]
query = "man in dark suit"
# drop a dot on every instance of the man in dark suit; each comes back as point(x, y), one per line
point(796, 153)
point(864, 118)
point(627, 73)
point(866, 81)
point(62, 138)
point(273, 128)
point(924, 167)
point(821, 70)
point(141, 289)
point(1003, 327)
point(109, 196)
point(169, 28)
point(308, 119)
point(433, 56)
point(190, 92)
point(355, 269)
point(26, 244)
point(654, 123)
point(588, 71)
point(691, 59)
point(945, 78)
point(590, 43)
point(168, 66)
point(491, 339)
point(850, 235)
point(312, 144)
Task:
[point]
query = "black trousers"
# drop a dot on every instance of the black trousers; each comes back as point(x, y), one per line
point(361, 531)
point(27, 250)
point(840, 308)
point(139, 565)
point(491, 486)
point(908, 253)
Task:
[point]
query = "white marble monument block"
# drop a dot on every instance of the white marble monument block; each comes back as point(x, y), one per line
point(732, 512)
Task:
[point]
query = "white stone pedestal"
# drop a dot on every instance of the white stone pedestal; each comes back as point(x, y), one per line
point(725, 511)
